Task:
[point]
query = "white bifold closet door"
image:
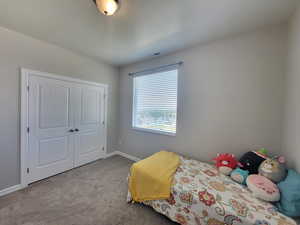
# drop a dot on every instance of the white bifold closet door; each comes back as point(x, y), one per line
point(88, 123)
point(66, 122)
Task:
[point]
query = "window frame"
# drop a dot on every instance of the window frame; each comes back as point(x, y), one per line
point(148, 130)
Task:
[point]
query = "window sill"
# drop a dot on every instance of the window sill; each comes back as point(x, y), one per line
point(154, 131)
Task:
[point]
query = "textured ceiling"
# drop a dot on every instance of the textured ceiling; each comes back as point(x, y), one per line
point(141, 27)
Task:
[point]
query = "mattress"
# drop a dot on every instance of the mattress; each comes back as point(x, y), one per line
point(200, 195)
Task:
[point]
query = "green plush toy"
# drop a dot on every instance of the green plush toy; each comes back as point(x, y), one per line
point(263, 151)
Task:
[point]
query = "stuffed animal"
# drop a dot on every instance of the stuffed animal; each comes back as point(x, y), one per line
point(273, 169)
point(239, 175)
point(251, 161)
point(263, 151)
point(226, 163)
point(263, 188)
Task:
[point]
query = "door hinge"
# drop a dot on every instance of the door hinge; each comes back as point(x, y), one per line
point(103, 122)
point(28, 129)
point(27, 170)
point(27, 88)
point(103, 148)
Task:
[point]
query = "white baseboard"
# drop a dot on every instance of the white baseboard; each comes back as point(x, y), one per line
point(111, 154)
point(10, 189)
point(131, 157)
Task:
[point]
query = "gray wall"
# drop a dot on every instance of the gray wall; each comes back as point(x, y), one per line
point(291, 122)
point(230, 98)
point(17, 50)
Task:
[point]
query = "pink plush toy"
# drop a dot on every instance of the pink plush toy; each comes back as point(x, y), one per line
point(263, 188)
point(226, 163)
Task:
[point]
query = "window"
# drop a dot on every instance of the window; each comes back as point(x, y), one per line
point(155, 101)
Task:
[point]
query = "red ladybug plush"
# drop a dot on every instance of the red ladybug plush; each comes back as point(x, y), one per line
point(226, 163)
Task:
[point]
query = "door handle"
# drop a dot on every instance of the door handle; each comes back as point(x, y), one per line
point(76, 130)
point(71, 130)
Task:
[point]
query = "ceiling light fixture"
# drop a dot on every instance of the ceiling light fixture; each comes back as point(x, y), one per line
point(107, 7)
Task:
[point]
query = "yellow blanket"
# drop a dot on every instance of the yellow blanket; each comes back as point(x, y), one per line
point(151, 178)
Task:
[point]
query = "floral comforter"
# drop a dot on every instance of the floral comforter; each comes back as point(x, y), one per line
point(202, 196)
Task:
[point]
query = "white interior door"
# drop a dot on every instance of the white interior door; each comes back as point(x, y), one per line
point(50, 120)
point(89, 124)
point(67, 124)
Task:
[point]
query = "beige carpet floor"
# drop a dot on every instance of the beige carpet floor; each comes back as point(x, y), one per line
point(94, 194)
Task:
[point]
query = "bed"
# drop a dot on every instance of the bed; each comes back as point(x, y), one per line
point(202, 196)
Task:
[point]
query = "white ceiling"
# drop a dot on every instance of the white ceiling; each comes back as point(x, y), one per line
point(141, 27)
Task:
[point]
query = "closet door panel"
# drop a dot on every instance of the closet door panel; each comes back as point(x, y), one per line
point(89, 121)
point(90, 105)
point(50, 119)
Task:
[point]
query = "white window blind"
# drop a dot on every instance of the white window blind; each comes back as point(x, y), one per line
point(155, 101)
